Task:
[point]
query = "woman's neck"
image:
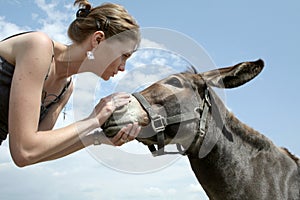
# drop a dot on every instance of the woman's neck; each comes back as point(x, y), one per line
point(68, 59)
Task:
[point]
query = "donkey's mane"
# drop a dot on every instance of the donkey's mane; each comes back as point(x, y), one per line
point(254, 138)
point(295, 158)
point(247, 133)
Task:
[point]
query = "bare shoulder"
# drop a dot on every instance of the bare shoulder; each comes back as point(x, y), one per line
point(34, 41)
point(33, 52)
point(23, 44)
point(36, 37)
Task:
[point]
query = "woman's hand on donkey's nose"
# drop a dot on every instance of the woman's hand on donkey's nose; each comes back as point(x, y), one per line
point(109, 104)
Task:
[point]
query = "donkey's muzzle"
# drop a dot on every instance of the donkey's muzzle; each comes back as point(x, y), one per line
point(115, 122)
point(123, 116)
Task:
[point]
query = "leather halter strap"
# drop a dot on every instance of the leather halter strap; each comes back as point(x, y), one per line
point(159, 123)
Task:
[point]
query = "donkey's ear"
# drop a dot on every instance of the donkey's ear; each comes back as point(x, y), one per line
point(234, 76)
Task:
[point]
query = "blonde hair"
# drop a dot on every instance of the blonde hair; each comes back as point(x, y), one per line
point(112, 19)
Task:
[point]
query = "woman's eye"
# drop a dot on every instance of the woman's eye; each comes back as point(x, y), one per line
point(126, 56)
point(174, 82)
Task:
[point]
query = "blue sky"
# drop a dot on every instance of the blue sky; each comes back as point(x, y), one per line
point(230, 32)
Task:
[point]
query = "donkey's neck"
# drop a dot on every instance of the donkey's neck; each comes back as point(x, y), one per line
point(238, 161)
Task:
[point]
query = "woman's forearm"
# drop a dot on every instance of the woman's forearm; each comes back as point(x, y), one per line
point(44, 144)
point(82, 143)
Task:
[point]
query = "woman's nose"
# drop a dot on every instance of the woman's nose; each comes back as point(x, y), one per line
point(122, 67)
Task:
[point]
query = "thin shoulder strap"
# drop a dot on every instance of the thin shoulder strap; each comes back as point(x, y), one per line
point(17, 35)
point(52, 57)
point(61, 94)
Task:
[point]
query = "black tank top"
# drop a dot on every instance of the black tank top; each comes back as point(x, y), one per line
point(6, 75)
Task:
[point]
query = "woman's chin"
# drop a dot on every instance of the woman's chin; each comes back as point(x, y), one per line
point(105, 78)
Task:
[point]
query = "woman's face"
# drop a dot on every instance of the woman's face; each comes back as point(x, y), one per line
point(115, 55)
point(117, 65)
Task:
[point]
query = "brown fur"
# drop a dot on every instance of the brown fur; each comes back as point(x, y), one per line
point(292, 156)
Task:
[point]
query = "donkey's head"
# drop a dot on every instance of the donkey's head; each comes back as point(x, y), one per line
point(175, 109)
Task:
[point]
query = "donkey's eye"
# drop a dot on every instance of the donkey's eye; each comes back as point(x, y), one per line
point(174, 82)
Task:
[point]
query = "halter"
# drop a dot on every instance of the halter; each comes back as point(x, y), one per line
point(159, 123)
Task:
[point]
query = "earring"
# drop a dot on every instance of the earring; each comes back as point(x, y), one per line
point(90, 55)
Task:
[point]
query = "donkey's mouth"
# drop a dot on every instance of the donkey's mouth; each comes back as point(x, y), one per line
point(128, 114)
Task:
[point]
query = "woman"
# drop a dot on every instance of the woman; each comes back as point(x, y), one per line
point(35, 83)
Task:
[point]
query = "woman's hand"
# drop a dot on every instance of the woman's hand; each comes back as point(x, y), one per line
point(108, 105)
point(126, 134)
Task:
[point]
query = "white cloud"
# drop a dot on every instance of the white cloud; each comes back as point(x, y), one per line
point(171, 191)
point(161, 193)
point(55, 22)
point(154, 192)
point(8, 28)
point(194, 188)
point(84, 96)
point(147, 43)
point(5, 158)
point(15, 2)
point(145, 67)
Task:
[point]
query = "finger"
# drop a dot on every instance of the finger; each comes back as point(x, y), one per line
point(121, 95)
point(127, 130)
point(119, 143)
point(120, 103)
point(132, 133)
point(122, 135)
point(117, 137)
point(117, 97)
point(138, 130)
point(125, 137)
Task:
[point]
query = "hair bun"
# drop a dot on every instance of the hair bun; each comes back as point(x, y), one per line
point(83, 12)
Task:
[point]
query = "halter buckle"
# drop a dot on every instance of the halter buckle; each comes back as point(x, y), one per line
point(158, 123)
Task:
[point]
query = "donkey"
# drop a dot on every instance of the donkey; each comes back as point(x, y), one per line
point(230, 159)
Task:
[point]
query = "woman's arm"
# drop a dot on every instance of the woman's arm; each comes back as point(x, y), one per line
point(88, 140)
point(33, 53)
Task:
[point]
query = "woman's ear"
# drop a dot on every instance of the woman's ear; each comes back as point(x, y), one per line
point(97, 38)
